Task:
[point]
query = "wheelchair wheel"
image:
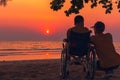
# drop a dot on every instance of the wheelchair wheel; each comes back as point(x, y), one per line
point(90, 64)
point(64, 65)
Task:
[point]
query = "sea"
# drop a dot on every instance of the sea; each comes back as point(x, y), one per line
point(33, 50)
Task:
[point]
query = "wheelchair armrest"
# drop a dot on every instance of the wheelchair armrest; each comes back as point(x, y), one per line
point(65, 40)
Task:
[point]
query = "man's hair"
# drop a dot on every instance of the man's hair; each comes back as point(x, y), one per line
point(78, 19)
point(99, 27)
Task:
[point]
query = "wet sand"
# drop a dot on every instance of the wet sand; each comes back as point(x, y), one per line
point(43, 70)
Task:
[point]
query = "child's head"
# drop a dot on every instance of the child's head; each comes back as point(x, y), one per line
point(99, 27)
point(78, 19)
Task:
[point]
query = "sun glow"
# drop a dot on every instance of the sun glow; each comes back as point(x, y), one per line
point(47, 31)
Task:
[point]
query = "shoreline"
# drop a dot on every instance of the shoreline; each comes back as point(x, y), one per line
point(31, 56)
point(35, 60)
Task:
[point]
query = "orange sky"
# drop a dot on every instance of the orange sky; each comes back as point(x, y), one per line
point(29, 19)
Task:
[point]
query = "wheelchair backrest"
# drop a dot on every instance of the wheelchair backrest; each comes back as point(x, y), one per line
point(78, 42)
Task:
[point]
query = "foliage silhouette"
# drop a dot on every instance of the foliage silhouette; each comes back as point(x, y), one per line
point(77, 5)
point(4, 2)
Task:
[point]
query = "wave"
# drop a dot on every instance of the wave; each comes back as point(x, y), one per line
point(34, 51)
point(47, 49)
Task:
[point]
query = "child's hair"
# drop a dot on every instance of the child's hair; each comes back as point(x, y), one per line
point(99, 27)
point(78, 19)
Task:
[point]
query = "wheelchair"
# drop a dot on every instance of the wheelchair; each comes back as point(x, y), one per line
point(83, 51)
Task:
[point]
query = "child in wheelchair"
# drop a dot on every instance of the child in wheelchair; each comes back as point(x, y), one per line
point(76, 50)
point(73, 35)
point(109, 59)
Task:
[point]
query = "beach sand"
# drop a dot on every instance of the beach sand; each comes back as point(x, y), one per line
point(42, 70)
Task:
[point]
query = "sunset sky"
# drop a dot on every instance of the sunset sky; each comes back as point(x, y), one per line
point(34, 20)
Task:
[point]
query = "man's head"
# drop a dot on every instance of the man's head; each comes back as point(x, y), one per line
point(78, 20)
point(99, 27)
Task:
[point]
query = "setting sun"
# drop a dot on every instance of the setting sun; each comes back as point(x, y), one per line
point(48, 31)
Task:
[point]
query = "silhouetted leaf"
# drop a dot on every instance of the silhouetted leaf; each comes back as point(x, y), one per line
point(86, 1)
point(119, 4)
